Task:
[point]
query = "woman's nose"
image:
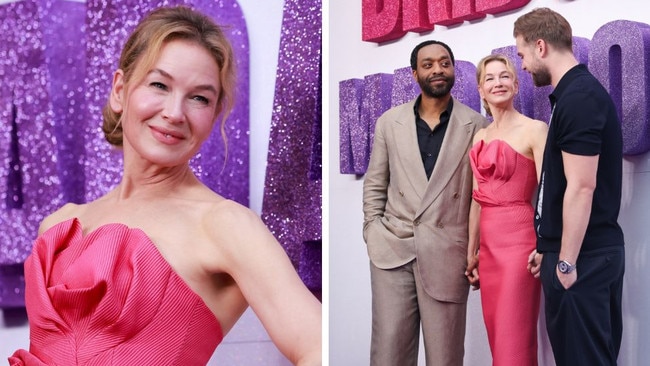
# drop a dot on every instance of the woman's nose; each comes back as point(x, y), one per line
point(173, 109)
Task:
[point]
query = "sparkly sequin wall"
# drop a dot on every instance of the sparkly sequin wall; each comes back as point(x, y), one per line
point(56, 65)
point(362, 102)
point(621, 64)
point(292, 196)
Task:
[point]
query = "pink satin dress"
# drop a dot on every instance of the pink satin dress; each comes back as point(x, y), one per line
point(510, 296)
point(110, 298)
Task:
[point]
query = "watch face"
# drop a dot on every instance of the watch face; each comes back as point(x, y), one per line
point(564, 267)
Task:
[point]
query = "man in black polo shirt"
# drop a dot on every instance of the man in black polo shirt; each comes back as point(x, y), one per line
point(580, 244)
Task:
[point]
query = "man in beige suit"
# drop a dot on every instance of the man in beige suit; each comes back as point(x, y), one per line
point(416, 199)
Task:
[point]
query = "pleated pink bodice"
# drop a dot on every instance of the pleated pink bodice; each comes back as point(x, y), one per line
point(110, 298)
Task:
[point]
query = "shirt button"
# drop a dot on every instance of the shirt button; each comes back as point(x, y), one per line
point(440, 225)
point(456, 195)
point(416, 222)
point(401, 193)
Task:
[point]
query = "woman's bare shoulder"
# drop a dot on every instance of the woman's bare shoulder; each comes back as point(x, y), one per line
point(236, 225)
point(66, 212)
point(535, 125)
point(226, 213)
point(479, 135)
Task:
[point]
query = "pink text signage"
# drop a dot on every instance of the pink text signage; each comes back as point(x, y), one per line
point(386, 20)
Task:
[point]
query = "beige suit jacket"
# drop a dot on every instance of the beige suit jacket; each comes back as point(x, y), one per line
point(407, 216)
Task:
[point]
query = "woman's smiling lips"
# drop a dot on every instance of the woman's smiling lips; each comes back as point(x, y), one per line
point(166, 136)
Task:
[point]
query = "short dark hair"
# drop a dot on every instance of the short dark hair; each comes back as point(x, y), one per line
point(414, 54)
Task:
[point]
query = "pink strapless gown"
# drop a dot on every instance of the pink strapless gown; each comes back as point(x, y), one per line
point(110, 298)
point(510, 296)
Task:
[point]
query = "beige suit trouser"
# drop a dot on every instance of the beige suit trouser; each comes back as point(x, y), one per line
point(399, 306)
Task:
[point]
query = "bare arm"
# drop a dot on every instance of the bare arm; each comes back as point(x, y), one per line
point(472, 272)
point(538, 142)
point(260, 267)
point(580, 172)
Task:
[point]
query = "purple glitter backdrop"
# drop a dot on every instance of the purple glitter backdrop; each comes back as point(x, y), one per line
point(620, 63)
point(370, 98)
point(376, 100)
point(30, 183)
point(353, 161)
point(292, 198)
point(56, 64)
point(531, 100)
point(616, 60)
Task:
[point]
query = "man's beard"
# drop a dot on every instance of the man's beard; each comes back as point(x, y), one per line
point(436, 92)
point(541, 77)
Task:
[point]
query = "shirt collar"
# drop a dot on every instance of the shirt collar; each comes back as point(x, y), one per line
point(566, 80)
point(416, 107)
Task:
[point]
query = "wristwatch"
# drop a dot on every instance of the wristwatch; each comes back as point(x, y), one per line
point(565, 267)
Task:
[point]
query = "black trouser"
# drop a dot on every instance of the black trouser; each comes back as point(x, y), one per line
point(584, 322)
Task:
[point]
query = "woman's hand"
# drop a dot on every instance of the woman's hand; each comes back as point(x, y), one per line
point(472, 272)
point(534, 263)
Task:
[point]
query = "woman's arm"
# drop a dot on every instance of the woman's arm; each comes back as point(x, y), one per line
point(267, 279)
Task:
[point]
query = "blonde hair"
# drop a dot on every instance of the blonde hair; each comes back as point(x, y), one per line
point(480, 73)
point(143, 48)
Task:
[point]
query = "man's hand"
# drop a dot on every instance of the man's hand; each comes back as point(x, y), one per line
point(567, 279)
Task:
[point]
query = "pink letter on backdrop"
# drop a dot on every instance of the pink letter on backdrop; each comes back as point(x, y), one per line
point(450, 12)
point(381, 20)
point(415, 17)
point(499, 6)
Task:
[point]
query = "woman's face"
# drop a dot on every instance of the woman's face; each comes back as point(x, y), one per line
point(498, 85)
point(170, 113)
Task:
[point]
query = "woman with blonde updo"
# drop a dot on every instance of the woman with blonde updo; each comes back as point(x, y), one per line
point(506, 161)
point(159, 269)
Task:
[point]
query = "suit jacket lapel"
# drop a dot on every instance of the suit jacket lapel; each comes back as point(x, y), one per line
point(408, 150)
point(452, 152)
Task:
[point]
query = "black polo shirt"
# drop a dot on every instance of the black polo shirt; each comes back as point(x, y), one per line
point(430, 140)
point(584, 121)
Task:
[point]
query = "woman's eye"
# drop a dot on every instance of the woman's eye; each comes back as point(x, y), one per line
point(200, 98)
point(158, 85)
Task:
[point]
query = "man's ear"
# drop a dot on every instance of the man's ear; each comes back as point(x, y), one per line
point(541, 47)
point(116, 99)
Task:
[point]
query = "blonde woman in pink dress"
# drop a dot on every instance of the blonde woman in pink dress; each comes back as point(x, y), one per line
point(158, 270)
point(506, 160)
